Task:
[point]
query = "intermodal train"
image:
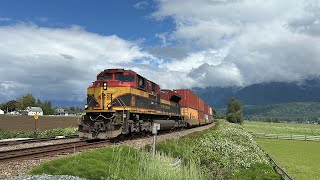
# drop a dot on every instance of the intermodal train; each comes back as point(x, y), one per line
point(122, 102)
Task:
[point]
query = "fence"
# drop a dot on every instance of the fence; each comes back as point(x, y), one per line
point(277, 168)
point(287, 137)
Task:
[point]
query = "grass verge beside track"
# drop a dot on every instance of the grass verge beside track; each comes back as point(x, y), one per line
point(299, 158)
point(117, 163)
point(226, 152)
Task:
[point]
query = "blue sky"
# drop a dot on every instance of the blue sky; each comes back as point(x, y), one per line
point(103, 17)
point(54, 49)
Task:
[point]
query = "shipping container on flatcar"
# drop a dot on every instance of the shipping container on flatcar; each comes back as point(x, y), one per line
point(206, 113)
point(200, 105)
point(189, 104)
point(202, 119)
point(189, 99)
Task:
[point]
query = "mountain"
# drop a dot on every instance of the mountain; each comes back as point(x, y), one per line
point(297, 111)
point(263, 93)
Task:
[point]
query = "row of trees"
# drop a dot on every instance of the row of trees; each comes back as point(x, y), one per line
point(22, 102)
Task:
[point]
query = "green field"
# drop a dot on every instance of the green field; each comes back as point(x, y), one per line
point(301, 159)
point(283, 128)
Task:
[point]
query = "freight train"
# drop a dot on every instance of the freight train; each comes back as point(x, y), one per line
point(122, 102)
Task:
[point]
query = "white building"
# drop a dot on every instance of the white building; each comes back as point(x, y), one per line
point(1, 112)
point(34, 110)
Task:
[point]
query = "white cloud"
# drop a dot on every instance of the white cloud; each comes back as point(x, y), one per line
point(141, 5)
point(56, 62)
point(60, 63)
point(4, 19)
point(241, 42)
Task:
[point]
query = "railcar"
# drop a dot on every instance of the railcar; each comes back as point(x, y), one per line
point(121, 102)
point(193, 109)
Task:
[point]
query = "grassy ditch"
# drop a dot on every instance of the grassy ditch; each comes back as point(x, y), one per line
point(226, 152)
point(4, 134)
point(117, 163)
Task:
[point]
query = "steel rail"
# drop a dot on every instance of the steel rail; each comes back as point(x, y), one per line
point(33, 140)
point(42, 151)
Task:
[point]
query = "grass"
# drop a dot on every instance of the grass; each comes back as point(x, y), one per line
point(299, 158)
point(283, 128)
point(40, 134)
point(117, 163)
point(226, 152)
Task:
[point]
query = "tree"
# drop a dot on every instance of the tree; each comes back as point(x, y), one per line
point(47, 108)
point(39, 103)
point(10, 105)
point(234, 111)
point(72, 109)
point(25, 100)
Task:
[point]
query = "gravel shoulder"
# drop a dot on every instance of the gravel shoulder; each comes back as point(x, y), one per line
point(18, 168)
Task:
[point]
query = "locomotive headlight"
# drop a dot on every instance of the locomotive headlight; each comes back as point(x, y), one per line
point(105, 86)
point(86, 106)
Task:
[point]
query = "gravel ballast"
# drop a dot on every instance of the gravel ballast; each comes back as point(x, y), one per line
point(35, 144)
point(45, 177)
point(18, 168)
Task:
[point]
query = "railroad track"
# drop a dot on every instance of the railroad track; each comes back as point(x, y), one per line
point(33, 140)
point(49, 150)
point(63, 148)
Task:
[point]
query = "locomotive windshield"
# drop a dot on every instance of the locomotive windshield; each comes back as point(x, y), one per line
point(105, 77)
point(125, 78)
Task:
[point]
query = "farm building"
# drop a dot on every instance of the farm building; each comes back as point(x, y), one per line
point(63, 112)
point(1, 112)
point(34, 110)
point(13, 113)
point(59, 111)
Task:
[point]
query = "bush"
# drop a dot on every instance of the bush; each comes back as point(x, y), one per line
point(235, 117)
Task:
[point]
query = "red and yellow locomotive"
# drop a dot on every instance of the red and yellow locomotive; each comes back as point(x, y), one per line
point(122, 102)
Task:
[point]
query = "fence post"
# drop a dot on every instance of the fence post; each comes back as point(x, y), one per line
point(305, 137)
point(291, 136)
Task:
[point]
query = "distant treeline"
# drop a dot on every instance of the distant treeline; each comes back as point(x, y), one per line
point(298, 111)
point(22, 102)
